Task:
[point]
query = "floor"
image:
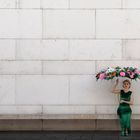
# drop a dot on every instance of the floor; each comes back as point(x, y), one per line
point(67, 135)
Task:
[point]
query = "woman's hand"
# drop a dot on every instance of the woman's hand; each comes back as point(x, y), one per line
point(122, 101)
point(128, 102)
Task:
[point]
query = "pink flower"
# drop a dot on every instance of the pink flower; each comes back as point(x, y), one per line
point(122, 74)
point(137, 71)
point(132, 76)
point(102, 76)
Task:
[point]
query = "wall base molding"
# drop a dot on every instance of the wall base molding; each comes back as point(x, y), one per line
point(62, 124)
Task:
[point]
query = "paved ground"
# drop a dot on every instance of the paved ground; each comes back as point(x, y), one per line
point(79, 135)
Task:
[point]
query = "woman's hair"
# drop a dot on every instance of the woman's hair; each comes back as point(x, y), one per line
point(127, 82)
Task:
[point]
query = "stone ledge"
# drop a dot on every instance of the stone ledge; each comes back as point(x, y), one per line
point(63, 109)
point(64, 116)
point(63, 125)
point(48, 116)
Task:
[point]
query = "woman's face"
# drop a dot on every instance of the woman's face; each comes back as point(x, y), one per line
point(126, 85)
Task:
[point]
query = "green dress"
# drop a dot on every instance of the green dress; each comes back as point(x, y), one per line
point(124, 111)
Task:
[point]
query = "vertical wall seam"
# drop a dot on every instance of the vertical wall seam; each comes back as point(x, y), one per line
point(42, 23)
point(68, 75)
point(42, 67)
point(68, 89)
point(95, 118)
point(122, 6)
point(95, 24)
point(41, 4)
point(15, 89)
point(122, 49)
point(16, 46)
point(68, 50)
point(42, 108)
point(68, 4)
point(42, 62)
point(95, 63)
point(18, 4)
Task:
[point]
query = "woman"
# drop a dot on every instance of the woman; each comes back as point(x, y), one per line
point(124, 110)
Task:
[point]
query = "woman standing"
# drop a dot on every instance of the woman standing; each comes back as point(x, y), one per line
point(124, 110)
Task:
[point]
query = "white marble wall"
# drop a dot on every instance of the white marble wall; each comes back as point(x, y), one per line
point(50, 51)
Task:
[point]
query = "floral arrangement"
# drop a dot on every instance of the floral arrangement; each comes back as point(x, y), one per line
point(111, 72)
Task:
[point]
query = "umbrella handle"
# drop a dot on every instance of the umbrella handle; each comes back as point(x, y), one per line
point(117, 80)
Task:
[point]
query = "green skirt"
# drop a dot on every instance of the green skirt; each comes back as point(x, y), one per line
point(124, 112)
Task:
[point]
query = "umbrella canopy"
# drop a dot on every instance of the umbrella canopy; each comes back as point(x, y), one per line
point(111, 72)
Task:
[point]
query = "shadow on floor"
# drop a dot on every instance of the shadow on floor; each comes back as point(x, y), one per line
point(66, 135)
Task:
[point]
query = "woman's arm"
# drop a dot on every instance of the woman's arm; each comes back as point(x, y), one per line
point(131, 102)
point(114, 90)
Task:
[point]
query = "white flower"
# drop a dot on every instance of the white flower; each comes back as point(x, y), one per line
point(109, 70)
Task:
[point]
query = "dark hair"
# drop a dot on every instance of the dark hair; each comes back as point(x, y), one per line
point(127, 82)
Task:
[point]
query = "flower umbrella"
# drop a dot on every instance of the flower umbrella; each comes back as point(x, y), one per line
point(111, 72)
